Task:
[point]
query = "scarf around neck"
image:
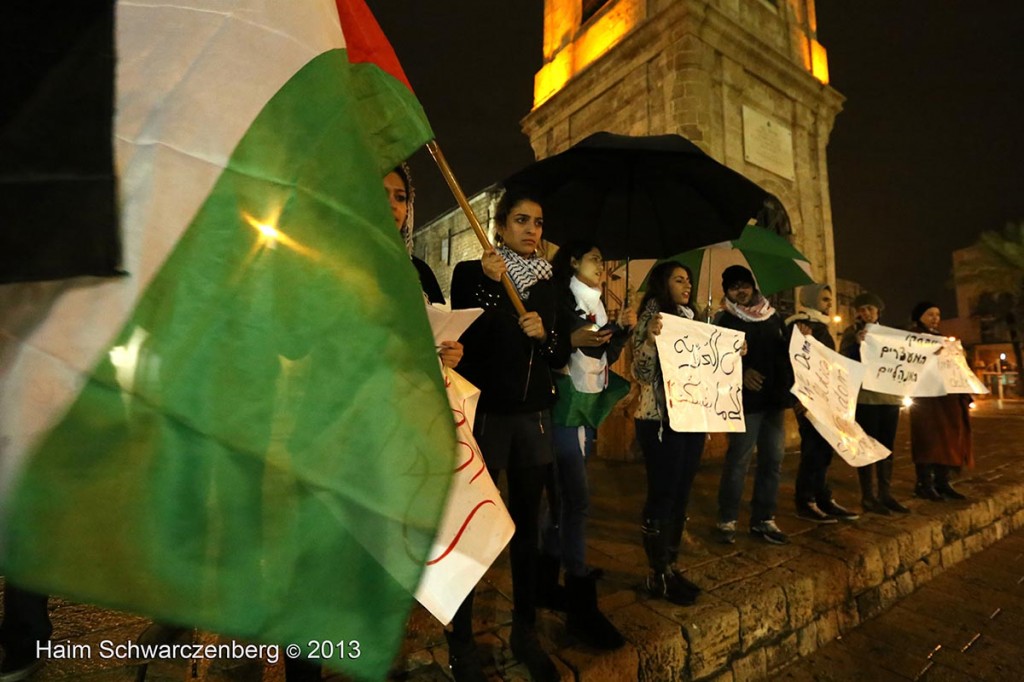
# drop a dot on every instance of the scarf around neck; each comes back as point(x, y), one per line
point(588, 300)
point(524, 272)
point(809, 315)
point(758, 311)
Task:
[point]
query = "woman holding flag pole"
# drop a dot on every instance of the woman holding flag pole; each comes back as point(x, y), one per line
point(510, 355)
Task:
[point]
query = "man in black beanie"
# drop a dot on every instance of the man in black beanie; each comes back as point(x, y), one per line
point(767, 378)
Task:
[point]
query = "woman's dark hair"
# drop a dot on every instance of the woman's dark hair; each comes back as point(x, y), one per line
point(562, 262)
point(657, 287)
point(404, 174)
point(509, 199)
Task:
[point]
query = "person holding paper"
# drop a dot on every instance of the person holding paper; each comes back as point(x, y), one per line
point(670, 458)
point(401, 196)
point(940, 427)
point(767, 378)
point(877, 413)
point(813, 497)
point(510, 358)
point(587, 391)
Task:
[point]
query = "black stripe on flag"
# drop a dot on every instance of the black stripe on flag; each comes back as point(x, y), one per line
point(58, 205)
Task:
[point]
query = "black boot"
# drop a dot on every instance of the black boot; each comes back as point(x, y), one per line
point(528, 651)
point(464, 658)
point(885, 486)
point(925, 488)
point(942, 486)
point(662, 581)
point(585, 620)
point(867, 491)
point(550, 594)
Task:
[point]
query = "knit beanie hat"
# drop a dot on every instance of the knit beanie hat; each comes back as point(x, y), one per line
point(737, 274)
point(810, 294)
point(868, 298)
point(920, 309)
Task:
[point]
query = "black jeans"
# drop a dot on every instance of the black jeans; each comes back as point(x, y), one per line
point(879, 422)
point(520, 439)
point(671, 463)
point(815, 458)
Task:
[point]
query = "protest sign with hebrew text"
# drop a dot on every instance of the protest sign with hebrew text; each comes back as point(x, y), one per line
point(915, 364)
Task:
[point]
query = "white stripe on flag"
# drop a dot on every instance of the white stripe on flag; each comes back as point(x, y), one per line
point(191, 78)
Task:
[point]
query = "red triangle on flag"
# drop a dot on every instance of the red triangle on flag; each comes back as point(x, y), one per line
point(365, 41)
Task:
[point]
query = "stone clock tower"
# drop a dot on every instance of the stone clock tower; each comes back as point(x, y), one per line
point(746, 80)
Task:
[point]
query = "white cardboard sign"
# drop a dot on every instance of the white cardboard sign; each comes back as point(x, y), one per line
point(827, 383)
point(703, 375)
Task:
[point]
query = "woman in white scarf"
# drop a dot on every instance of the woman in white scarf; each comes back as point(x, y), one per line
point(584, 399)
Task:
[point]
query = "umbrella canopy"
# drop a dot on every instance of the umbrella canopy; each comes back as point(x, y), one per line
point(642, 197)
point(773, 260)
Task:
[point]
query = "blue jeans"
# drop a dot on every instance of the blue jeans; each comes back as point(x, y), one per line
point(565, 529)
point(765, 430)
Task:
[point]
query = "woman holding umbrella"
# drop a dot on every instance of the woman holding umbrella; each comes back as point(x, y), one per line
point(670, 458)
point(510, 358)
point(587, 391)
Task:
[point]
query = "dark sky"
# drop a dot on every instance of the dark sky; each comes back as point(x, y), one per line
point(927, 152)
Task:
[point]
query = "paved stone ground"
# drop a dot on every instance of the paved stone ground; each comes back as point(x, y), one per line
point(966, 624)
point(764, 606)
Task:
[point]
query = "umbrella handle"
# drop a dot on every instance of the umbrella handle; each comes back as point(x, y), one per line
point(474, 222)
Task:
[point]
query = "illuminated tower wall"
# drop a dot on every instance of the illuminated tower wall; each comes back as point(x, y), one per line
point(746, 80)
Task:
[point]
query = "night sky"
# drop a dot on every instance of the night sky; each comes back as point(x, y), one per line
point(927, 152)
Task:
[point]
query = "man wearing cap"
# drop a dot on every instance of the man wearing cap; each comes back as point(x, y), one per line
point(877, 413)
point(813, 497)
point(767, 378)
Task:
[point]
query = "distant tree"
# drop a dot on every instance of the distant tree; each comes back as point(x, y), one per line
point(999, 269)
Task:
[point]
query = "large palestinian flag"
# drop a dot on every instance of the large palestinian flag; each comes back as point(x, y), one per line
point(247, 431)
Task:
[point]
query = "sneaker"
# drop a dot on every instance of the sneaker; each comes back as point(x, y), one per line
point(892, 505)
point(769, 532)
point(837, 511)
point(872, 505)
point(809, 512)
point(726, 531)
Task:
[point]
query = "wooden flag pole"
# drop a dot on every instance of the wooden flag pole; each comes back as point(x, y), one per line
point(474, 222)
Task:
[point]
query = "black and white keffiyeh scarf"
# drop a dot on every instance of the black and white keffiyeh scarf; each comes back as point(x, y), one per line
point(524, 272)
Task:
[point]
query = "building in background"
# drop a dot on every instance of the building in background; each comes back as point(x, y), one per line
point(746, 80)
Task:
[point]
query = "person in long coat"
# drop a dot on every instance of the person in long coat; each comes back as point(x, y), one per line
point(940, 427)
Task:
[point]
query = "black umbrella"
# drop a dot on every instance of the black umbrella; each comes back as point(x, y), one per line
point(644, 197)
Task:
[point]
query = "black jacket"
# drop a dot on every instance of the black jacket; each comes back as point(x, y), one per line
point(428, 282)
point(768, 353)
point(512, 371)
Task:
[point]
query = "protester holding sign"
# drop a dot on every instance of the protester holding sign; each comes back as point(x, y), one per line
point(877, 413)
point(670, 458)
point(587, 391)
point(767, 378)
point(509, 357)
point(940, 427)
point(813, 497)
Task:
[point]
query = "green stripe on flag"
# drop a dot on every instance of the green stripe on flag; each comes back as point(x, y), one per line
point(266, 449)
